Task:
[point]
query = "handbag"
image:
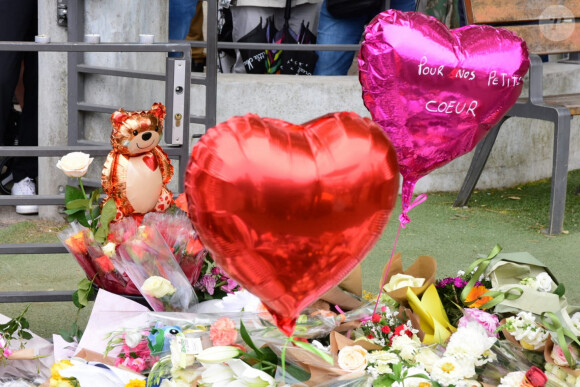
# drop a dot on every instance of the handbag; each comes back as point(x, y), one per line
point(351, 8)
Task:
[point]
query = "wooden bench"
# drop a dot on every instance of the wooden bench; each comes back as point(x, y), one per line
point(548, 27)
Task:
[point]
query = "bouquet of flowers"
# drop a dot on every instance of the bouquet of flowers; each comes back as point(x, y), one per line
point(450, 289)
point(524, 329)
point(94, 237)
point(150, 264)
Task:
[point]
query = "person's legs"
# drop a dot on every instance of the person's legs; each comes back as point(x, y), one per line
point(403, 5)
point(196, 34)
point(18, 22)
point(337, 31)
point(181, 12)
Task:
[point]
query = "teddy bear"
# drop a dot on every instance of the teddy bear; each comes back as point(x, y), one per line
point(137, 170)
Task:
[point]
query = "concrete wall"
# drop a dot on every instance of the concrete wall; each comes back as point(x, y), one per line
point(522, 153)
point(523, 149)
point(114, 23)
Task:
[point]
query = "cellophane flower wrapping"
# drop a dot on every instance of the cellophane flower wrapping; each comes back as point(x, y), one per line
point(146, 256)
point(102, 263)
point(81, 243)
point(178, 233)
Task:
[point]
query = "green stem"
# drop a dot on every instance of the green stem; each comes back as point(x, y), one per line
point(90, 209)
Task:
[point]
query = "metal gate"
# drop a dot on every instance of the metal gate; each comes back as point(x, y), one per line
point(178, 79)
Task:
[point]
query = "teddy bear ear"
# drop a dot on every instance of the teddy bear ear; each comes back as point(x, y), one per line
point(158, 110)
point(118, 117)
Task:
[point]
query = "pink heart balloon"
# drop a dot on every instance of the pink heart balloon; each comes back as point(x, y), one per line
point(437, 92)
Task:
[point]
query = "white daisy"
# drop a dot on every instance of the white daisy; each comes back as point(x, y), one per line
point(448, 370)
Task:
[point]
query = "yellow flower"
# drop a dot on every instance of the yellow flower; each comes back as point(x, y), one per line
point(136, 383)
point(58, 381)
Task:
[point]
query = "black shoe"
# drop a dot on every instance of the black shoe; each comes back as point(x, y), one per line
point(197, 67)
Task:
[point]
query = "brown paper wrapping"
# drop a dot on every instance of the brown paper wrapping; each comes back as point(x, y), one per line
point(423, 267)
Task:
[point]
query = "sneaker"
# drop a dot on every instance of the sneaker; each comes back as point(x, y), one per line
point(25, 187)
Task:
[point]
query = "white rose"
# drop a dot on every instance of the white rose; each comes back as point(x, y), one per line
point(401, 280)
point(544, 282)
point(75, 164)
point(157, 287)
point(353, 358)
point(133, 338)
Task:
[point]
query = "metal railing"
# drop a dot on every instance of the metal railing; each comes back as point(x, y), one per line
point(176, 77)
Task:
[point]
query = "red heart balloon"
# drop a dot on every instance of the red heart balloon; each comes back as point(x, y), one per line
point(437, 92)
point(289, 210)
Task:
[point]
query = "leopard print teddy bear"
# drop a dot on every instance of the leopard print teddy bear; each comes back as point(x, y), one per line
point(137, 170)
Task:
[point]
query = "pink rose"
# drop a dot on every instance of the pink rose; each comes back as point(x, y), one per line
point(223, 332)
point(489, 321)
point(558, 355)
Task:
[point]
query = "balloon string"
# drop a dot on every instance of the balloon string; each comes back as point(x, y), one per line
point(388, 267)
point(404, 218)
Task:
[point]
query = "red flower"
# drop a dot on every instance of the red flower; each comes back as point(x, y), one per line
point(105, 264)
point(370, 336)
point(386, 329)
point(376, 318)
point(536, 377)
point(403, 329)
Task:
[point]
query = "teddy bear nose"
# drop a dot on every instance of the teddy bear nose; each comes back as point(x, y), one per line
point(146, 136)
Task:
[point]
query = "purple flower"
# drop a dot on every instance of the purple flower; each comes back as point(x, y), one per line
point(459, 282)
point(230, 286)
point(217, 271)
point(208, 282)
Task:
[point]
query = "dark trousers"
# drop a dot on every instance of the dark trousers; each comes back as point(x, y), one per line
point(19, 22)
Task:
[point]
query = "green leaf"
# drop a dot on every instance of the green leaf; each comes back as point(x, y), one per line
point(74, 329)
point(76, 301)
point(70, 212)
point(78, 204)
point(25, 335)
point(297, 372)
point(85, 284)
point(560, 290)
point(79, 217)
point(66, 336)
point(311, 348)
point(383, 381)
point(72, 193)
point(108, 213)
point(24, 323)
point(248, 340)
point(269, 355)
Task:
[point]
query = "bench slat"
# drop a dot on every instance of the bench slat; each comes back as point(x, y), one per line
point(571, 101)
point(494, 11)
point(561, 38)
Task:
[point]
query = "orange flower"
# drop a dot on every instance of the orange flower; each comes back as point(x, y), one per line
point(474, 294)
point(181, 202)
point(76, 243)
